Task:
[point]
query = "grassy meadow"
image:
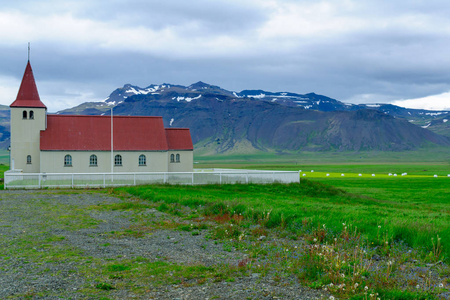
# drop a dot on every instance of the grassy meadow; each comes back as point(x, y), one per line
point(346, 203)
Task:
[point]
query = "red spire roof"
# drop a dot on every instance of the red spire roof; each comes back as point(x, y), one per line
point(28, 95)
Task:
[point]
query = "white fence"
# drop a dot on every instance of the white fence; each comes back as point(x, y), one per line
point(19, 180)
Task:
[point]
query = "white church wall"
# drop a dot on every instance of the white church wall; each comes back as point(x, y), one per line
point(185, 163)
point(25, 137)
point(53, 161)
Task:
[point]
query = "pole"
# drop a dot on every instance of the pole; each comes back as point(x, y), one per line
point(112, 146)
point(9, 151)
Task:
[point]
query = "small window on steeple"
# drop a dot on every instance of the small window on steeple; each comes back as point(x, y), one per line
point(28, 159)
point(31, 115)
point(24, 114)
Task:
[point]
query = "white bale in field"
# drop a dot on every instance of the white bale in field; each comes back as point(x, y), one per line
point(304, 174)
point(328, 174)
point(390, 174)
point(342, 175)
point(395, 174)
point(312, 171)
point(373, 175)
point(435, 175)
point(359, 174)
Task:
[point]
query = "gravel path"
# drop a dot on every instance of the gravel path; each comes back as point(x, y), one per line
point(48, 237)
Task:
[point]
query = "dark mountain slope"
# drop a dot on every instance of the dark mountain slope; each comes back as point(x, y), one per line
point(222, 122)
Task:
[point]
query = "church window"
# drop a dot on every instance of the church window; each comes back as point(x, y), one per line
point(172, 158)
point(93, 160)
point(67, 160)
point(178, 158)
point(31, 115)
point(142, 160)
point(118, 160)
point(24, 114)
point(28, 159)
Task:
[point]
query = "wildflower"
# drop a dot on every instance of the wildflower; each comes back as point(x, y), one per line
point(379, 226)
point(366, 288)
point(356, 285)
point(323, 225)
point(331, 298)
point(315, 240)
point(343, 224)
point(417, 286)
point(441, 285)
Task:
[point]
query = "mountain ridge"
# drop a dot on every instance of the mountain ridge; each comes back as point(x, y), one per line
point(223, 121)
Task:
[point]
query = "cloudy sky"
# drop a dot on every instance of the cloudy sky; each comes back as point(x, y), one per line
point(357, 51)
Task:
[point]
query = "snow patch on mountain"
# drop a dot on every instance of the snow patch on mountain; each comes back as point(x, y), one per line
point(187, 99)
point(260, 96)
point(236, 95)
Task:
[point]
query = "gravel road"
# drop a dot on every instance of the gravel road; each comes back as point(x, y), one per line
point(34, 225)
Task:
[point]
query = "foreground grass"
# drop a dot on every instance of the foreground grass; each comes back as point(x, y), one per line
point(413, 212)
point(246, 219)
point(345, 231)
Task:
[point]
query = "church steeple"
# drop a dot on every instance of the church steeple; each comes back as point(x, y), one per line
point(28, 95)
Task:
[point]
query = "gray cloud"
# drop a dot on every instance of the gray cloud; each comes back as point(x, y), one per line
point(359, 51)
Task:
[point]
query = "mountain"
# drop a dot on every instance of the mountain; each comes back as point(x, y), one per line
point(311, 101)
point(4, 126)
point(256, 120)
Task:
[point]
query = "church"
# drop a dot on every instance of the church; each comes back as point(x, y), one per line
point(52, 143)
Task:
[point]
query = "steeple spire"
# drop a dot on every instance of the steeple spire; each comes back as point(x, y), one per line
point(28, 95)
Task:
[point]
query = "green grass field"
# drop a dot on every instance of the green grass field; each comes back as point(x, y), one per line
point(391, 216)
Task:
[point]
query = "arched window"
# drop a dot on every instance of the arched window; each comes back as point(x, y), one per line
point(93, 160)
point(67, 160)
point(118, 160)
point(142, 160)
point(172, 158)
point(178, 158)
point(28, 159)
point(24, 114)
point(31, 115)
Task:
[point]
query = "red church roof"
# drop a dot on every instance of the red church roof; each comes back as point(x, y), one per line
point(179, 139)
point(28, 95)
point(93, 133)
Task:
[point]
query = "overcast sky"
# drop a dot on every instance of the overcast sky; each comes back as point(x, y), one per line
point(357, 51)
